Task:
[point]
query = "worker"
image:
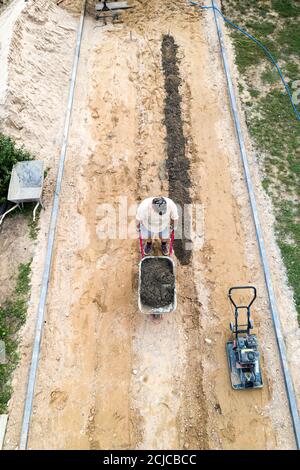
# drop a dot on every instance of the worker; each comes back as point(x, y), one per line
point(156, 216)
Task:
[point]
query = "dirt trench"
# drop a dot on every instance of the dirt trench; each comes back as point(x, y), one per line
point(178, 164)
point(108, 377)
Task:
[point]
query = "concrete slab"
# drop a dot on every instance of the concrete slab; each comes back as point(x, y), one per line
point(26, 182)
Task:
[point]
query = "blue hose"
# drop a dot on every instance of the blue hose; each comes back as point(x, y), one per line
point(264, 48)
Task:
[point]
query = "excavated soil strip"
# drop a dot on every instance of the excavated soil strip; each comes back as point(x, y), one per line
point(158, 282)
point(177, 163)
point(193, 408)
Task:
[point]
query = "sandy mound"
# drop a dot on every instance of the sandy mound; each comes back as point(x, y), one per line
point(39, 65)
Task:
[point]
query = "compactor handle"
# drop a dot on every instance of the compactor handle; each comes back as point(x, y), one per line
point(240, 288)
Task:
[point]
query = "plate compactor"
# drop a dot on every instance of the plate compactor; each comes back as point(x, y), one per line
point(242, 351)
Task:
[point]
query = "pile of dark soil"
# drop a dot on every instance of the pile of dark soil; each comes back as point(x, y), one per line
point(177, 162)
point(157, 282)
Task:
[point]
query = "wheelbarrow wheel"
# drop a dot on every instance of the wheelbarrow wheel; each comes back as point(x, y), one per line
point(156, 317)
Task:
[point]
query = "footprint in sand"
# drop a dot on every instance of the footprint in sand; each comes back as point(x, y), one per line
point(58, 399)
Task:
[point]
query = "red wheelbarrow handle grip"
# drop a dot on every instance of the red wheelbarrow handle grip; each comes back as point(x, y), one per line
point(141, 244)
point(171, 242)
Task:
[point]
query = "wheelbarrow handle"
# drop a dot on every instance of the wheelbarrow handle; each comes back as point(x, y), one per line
point(171, 242)
point(141, 244)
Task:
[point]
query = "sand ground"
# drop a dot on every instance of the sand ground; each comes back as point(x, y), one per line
point(109, 377)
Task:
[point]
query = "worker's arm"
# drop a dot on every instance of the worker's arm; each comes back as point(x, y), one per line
point(138, 220)
point(174, 224)
point(139, 216)
point(174, 216)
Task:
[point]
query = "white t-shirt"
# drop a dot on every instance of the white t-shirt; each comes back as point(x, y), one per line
point(151, 219)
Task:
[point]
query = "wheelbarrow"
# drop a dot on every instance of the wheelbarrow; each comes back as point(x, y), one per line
point(147, 262)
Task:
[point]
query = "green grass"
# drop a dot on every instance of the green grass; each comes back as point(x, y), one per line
point(34, 224)
point(262, 28)
point(246, 55)
point(270, 76)
point(292, 70)
point(12, 317)
point(23, 282)
point(288, 233)
point(254, 93)
point(289, 38)
point(286, 8)
point(270, 117)
point(27, 212)
point(243, 7)
point(12, 310)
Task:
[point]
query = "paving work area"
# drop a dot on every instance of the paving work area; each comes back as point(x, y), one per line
point(108, 378)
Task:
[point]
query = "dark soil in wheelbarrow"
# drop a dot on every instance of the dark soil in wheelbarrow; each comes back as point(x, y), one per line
point(157, 282)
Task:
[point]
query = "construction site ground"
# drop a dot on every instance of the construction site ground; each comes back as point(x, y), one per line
point(108, 377)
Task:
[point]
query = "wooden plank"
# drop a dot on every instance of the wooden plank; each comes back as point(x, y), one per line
point(3, 423)
point(112, 6)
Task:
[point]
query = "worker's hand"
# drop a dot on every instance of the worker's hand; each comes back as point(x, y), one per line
point(173, 224)
point(138, 227)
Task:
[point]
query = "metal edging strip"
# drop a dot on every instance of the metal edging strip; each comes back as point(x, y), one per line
point(51, 238)
point(274, 311)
